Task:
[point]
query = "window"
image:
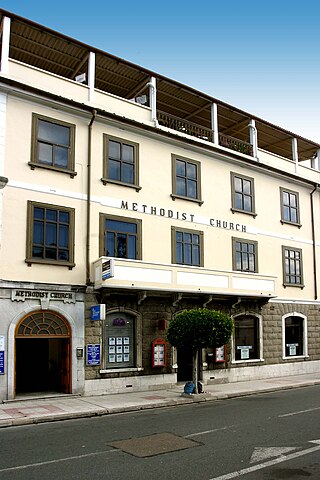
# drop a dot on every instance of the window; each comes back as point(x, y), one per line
point(50, 235)
point(294, 328)
point(292, 266)
point(122, 344)
point(247, 338)
point(53, 144)
point(120, 237)
point(245, 255)
point(187, 247)
point(121, 162)
point(242, 190)
point(290, 207)
point(186, 179)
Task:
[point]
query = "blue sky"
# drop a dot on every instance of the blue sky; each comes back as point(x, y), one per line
point(260, 56)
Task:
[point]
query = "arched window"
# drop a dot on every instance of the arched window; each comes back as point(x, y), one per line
point(247, 338)
point(120, 340)
point(294, 328)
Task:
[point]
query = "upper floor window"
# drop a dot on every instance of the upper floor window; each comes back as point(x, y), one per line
point(290, 207)
point(186, 179)
point(245, 255)
point(50, 234)
point(187, 247)
point(120, 237)
point(292, 266)
point(242, 191)
point(121, 162)
point(53, 144)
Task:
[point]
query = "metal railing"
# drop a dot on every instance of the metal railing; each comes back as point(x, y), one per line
point(184, 126)
point(189, 128)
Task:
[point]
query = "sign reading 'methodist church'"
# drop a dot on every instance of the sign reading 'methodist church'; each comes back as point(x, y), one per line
point(176, 215)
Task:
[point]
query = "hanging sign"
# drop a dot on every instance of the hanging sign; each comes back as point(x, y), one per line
point(98, 312)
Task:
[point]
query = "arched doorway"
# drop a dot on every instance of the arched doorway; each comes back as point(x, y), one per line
point(43, 354)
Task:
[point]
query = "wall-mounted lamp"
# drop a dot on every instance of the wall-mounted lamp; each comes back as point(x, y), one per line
point(3, 182)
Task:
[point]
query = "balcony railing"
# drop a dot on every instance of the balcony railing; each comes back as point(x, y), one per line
point(184, 126)
point(197, 131)
point(235, 144)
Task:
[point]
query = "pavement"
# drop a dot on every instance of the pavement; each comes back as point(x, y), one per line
point(50, 408)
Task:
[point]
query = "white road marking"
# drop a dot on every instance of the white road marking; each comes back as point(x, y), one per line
point(263, 453)
point(270, 463)
point(67, 459)
point(299, 412)
point(208, 431)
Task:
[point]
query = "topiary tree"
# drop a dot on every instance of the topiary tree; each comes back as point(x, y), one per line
point(199, 328)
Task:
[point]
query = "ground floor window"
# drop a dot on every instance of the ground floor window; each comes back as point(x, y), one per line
point(294, 336)
point(246, 338)
point(120, 341)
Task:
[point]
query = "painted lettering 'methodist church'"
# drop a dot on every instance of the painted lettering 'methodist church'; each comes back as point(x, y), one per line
point(127, 197)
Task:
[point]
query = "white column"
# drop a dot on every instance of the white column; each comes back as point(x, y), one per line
point(214, 123)
point(91, 75)
point(5, 27)
point(153, 99)
point(253, 137)
point(295, 156)
point(316, 161)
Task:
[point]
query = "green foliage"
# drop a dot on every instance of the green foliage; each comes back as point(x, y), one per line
point(200, 328)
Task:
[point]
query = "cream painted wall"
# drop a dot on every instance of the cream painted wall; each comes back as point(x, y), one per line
point(155, 179)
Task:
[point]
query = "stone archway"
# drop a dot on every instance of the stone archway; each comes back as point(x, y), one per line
point(43, 353)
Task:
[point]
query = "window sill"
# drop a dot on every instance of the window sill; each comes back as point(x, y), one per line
point(237, 210)
point(34, 165)
point(285, 222)
point(121, 370)
point(30, 261)
point(295, 285)
point(122, 184)
point(181, 197)
point(296, 357)
point(253, 360)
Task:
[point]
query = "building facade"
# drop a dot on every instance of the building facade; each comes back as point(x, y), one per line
point(127, 198)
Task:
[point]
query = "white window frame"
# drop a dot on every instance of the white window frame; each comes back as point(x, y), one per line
point(253, 360)
point(305, 336)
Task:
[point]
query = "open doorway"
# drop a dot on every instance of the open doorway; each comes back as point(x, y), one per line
point(42, 348)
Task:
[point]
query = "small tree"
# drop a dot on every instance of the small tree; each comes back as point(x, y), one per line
point(199, 328)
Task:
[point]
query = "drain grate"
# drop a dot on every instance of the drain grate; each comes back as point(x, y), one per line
point(156, 444)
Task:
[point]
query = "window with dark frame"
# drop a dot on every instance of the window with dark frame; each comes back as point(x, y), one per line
point(245, 258)
point(294, 336)
point(120, 341)
point(53, 144)
point(121, 161)
point(187, 247)
point(242, 189)
point(290, 207)
point(186, 179)
point(292, 267)
point(121, 237)
point(50, 237)
point(246, 338)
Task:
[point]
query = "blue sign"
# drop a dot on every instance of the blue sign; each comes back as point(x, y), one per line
point(107, 268)
point(98, 312)
point(93, 354)
point(1, 362)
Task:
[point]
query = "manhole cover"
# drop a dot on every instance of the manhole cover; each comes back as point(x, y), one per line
point(154, 444)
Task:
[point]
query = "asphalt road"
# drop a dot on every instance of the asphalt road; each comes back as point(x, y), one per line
point(274, 436)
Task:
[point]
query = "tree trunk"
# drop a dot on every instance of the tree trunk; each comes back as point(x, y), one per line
point(195, 369)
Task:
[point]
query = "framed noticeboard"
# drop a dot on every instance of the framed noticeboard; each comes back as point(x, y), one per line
point(220, 354)
point(93, 354)
point(159, 353)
